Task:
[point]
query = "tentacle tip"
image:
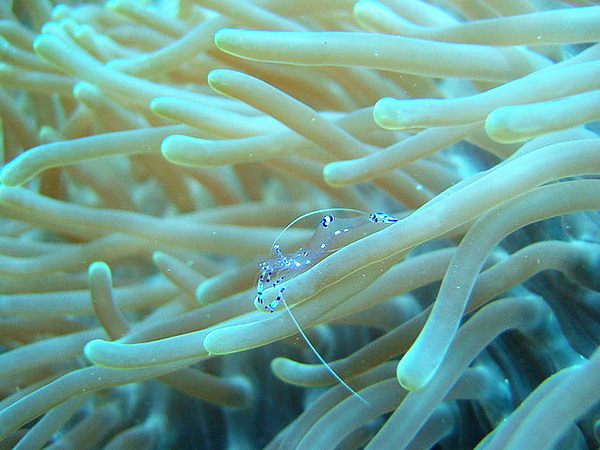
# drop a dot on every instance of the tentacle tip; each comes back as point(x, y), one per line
point(412, 380)
point(92, 349)
point(9, 177)
point(499, 127)
point(335, 174)
point(225, 37)
point(385, 114)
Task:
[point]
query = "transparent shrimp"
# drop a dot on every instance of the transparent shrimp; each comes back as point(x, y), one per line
point(333, 232)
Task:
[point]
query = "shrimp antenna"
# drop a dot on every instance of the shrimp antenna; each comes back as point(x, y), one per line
point(321, 359)
point(289, 310)
point(308, 214)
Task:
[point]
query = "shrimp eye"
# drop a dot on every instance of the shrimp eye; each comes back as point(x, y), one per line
point(326, 221)
point(381, 217)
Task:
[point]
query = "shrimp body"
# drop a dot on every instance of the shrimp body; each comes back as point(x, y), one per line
point(332, 233)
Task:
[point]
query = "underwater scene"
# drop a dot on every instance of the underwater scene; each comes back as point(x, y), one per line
point(300, 224)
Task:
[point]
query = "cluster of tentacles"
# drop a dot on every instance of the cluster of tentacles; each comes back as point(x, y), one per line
point(154, 150)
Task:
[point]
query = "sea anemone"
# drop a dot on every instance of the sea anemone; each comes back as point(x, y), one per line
point(153, 152)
